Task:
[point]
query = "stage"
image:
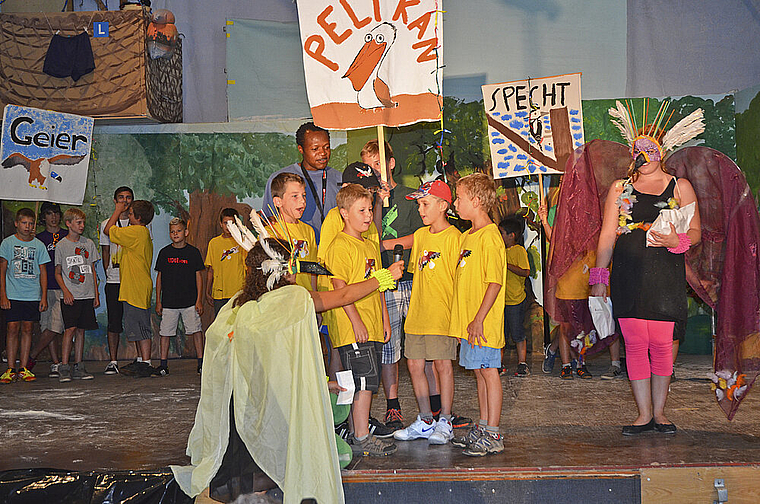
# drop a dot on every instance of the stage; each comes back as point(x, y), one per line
point(562, 438)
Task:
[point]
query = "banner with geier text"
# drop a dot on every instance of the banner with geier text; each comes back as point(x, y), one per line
point(372, 62)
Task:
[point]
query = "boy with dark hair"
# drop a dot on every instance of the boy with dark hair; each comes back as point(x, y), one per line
point(477, 314)
point(515, 299)
point(23, 291)
point(358, 330)
point(51, 320)
point(398, 221)
point(179, 292)
point(111, 253)
point(136, 283)
point(225, 263)
point(75, 260)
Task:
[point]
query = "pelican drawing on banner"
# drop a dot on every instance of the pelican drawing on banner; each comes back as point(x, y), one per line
point(39, 169)
point(371, 90)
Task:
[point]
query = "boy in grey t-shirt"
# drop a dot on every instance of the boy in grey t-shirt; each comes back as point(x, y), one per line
point(75, 258)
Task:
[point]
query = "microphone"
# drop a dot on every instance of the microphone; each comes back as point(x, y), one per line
point(398, 253)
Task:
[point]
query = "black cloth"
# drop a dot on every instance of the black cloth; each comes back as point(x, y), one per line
point(648, 282)
point(69, 57)
point(178, 267)
point(400, 218)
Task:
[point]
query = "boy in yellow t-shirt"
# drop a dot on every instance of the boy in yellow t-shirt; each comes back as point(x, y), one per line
point(289, 197)
point(225, 263)
point(435, 251)
point(136, 283)
point(358, 330)
point(477, 314)
point(515, 299)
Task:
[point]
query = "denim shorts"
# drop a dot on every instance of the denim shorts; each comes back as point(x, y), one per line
point(514, 321)
point(475, 357)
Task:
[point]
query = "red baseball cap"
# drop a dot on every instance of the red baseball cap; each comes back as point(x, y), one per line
point(433, 187)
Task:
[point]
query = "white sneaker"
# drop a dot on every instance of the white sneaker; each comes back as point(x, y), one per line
point(442, 433)
point(54, 371)
point(418, 430)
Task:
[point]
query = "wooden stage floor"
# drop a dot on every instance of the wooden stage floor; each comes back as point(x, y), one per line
point(121, 423)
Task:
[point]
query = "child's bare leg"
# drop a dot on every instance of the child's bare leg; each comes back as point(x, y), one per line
point(26, 342)
point(79, 345)
point(11, 343)
point(199, 343)
point(47, 339)
point(482, 393)
point(113, 344)
point(335, 364)
point(522, 351)
point(144, 349)
point(445, 373)
point(389, 375)
point(432, 378)
point(420, 384)
point(564, 345)
point(68, 341)
point(165, 340)
point(494, 395)
point(360, 411)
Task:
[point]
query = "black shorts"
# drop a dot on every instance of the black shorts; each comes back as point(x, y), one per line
point(23, 311)
point(81, 315)
point(114, 307)
point(69, 56)
point(363, 359)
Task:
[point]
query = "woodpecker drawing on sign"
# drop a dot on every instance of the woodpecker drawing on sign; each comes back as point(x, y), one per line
point(39, 169)
point(372, 91)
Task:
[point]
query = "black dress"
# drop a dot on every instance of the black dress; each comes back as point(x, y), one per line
point(648, 282)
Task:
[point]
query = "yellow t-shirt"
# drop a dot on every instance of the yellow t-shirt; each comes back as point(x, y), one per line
point(515, 294)
point(574, 283)
point(227, 259)
point(134, 264)
point(432, 262)
point(353, 260)
point(304, 245)
point(482, 260)
point(333, 225)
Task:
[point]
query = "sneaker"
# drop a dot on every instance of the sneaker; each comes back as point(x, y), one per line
point(25, 375)
point(394, 419)
point(54, 370)
point(8, 376)
point(486, 444)
point(79, 372)
point(549, 357)
point(64, 373)
point(460, 422)
point(583, 372)
point(567, 373)
point(199, 368)
point(343, 431)
point(502, 370)
point(378, 429)
point(130, 368)
point(112, 368)
point(472, 435)
point(160, 371)
point(442, 433)
point(372, 447)
point(522, 370)
point(612, 373)
point(31, 363)
point(143, 370)
point(419, 429)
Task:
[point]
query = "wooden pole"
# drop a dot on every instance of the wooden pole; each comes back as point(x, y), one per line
point(383, 167)
point(541, 198)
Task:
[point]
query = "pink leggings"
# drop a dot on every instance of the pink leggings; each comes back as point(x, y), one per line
point(647, 341)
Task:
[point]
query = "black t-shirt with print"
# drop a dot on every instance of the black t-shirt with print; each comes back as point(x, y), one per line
point(178, 267)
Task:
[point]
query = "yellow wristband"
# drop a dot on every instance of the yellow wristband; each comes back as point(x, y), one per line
point(385, 279)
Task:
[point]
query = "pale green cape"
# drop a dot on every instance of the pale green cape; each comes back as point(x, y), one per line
point(268, 352)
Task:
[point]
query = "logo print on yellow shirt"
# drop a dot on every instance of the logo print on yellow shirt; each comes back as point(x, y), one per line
point(227, 254)
point(426, 259)
point(462, 255)
point(369, 267)
point(300, 248)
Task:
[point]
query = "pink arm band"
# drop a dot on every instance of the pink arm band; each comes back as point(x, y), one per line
point(599, 276)
point(684, 242)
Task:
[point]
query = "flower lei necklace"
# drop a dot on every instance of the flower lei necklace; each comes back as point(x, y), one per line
point(625, 203)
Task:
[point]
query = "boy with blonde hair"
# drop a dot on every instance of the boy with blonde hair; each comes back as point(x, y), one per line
point(136, 285)
point(433, 259)
point(179, 292)
point(75, 258)
point(289, 197)
point(477, 315)
point(358, 330)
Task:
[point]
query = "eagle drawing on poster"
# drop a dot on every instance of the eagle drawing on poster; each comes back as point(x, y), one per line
point(372, 90)
point(39, 169)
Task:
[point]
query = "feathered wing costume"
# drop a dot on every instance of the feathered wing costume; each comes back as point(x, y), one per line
point(723, 269)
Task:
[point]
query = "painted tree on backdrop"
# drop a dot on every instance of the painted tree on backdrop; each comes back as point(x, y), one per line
point(747, 145)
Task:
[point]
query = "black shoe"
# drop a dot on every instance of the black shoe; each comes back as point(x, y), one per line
point(142, 370)
point(634, 430)
point(160, 371)
point(567, 373)
point(665, 428)
point(460, 422)
point(394, 420)
point(583, 372)
point(343, 431)
point(129, 369)
point(379, 430)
